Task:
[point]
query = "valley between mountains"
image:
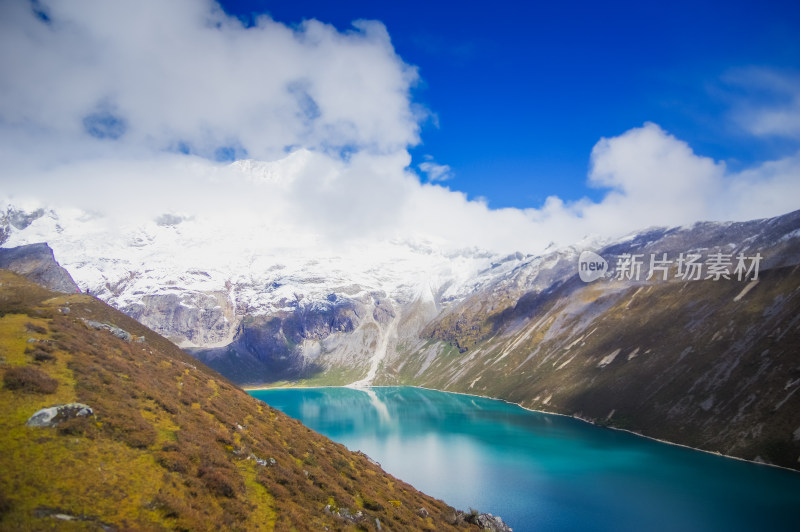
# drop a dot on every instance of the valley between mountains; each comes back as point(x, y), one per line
point(712, 363)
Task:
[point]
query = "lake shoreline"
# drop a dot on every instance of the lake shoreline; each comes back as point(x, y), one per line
point(713, 453)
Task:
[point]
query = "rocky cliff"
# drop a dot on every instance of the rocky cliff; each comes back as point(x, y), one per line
point(37, 263)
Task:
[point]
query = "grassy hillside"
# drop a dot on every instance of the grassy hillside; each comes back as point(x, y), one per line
point(172, 445)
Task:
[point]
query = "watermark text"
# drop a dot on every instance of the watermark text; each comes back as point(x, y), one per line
point(661, 266)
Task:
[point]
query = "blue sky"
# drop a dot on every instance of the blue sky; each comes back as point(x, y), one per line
point(522, 91)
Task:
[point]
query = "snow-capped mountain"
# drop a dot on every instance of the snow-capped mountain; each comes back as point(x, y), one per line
point(216, 287)
point(708, 360)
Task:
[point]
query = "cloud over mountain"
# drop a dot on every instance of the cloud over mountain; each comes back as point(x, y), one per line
point(136, 110)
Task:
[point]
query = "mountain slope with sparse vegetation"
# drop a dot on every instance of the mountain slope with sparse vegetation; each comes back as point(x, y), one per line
point(141, 436)
point(709, 363)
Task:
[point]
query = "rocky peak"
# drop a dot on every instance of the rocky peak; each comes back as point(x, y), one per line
point(37, 263)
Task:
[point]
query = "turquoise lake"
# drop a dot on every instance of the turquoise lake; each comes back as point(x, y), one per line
point(543, 472)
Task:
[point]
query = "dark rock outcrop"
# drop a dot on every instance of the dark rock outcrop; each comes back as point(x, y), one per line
point(197, 318)
point(491, 522)
point(484, 521)
point(266, 348)
point(122, 334)
point(37, 263)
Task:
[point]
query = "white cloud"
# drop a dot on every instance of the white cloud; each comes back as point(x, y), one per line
point(435, 171)
point(330, 112)
point(768, 189)
point(182, 73)
point(656, 179)
point(652, 176)
point(767, 102)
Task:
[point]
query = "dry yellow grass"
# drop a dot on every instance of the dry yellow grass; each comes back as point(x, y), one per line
point(172, 445)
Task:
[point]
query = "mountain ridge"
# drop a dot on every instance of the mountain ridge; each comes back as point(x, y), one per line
point(503, 326)
point(37, 263)
point(708, 364)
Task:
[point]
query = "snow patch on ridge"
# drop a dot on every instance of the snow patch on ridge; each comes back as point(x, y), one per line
point(380, 353)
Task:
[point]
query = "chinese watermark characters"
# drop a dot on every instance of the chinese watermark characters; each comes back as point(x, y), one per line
point(659, 266)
